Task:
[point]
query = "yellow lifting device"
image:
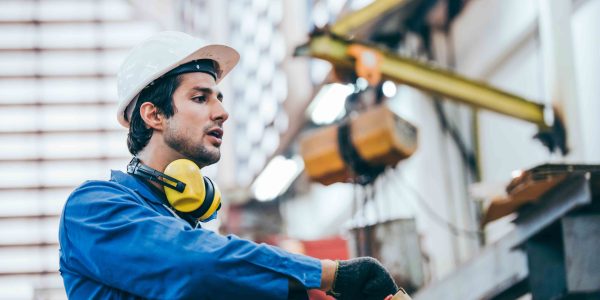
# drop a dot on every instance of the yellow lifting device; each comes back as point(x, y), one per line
point(379, 137)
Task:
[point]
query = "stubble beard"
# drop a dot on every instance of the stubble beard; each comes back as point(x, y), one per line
point(198, 153)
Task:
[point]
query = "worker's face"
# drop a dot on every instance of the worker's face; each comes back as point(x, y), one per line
point(196, 128)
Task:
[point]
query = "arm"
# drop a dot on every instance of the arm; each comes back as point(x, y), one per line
point(328, 268)
point(112, 238)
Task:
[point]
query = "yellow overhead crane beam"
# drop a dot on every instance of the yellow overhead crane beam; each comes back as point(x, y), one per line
point(335, 48)
point(359, 18)
point(426, 77)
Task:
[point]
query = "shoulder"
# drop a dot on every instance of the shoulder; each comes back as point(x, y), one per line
point(99, 192)
point(101, 186)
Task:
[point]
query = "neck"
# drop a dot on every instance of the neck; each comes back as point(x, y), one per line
point(157, 156)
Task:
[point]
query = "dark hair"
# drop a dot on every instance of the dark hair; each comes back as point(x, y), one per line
point(160, 93)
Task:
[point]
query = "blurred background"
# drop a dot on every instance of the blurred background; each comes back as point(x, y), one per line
point(473, 94)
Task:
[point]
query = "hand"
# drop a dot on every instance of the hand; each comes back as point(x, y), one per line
point(362, 278)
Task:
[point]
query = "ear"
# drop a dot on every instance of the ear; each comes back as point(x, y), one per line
point(151, 116)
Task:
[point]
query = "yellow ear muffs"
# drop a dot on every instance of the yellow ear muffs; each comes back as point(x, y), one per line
point(201, 198)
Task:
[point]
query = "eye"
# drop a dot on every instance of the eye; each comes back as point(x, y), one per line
point(200, 98)
point(220, 97)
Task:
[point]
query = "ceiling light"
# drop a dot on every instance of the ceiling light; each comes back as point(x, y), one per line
point(389, 89)
point(329, 103)
point(276, 177)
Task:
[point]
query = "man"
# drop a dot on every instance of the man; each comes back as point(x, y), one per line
point(125, 239)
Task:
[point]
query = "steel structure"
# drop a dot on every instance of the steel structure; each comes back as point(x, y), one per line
point(547, 254)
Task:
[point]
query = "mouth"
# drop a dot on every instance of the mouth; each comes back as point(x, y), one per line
point(216, 132)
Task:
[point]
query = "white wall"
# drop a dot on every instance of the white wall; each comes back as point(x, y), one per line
point(586, 44)
point(320, 213)
point(433, 177)
point(507, 144)
point(496, 41)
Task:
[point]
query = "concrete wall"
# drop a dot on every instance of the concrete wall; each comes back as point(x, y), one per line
point(496, 41)
point(586, 45)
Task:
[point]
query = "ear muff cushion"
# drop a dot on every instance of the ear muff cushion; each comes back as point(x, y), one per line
point(211, 202)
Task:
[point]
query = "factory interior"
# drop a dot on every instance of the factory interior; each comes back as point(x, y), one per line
point(455, 141)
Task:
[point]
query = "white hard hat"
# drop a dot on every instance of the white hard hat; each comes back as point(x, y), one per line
point(160, 54)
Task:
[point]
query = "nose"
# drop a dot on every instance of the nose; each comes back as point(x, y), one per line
point(219, 112)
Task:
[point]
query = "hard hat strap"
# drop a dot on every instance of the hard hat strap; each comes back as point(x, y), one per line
point(207, 66)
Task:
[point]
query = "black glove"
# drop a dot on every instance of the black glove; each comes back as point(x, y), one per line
point(362, 278)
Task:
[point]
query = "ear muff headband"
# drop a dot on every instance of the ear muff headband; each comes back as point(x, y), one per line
point(136, 167)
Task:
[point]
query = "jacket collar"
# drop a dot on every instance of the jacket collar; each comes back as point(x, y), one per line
point(137, 185)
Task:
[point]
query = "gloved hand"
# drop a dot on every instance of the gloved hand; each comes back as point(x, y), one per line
point(362, 278)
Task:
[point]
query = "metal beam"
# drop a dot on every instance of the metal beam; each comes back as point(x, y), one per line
point(39, 187)
point(103, 104)
point(30, 245)
point(41, 76)
point(359, 18)
point(76, 50)
point(42, 22)
point(29, 273)
point(428, 78)
point(63, 131)
point(30, 217)
point(100, 158)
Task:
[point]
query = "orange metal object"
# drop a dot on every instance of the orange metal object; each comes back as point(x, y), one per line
point(368, 63)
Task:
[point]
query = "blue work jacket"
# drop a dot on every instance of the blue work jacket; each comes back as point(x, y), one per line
point(118, 241)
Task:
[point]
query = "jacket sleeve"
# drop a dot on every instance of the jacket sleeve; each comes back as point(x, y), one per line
point(112, 238)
